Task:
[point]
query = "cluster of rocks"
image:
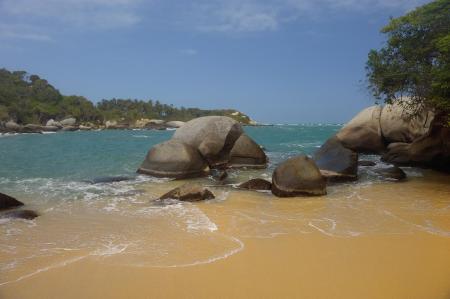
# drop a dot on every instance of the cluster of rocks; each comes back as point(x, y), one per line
point(201, 145)
point(211, 143)
point(11, 208)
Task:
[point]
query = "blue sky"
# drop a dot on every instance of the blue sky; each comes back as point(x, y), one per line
point(280, 61)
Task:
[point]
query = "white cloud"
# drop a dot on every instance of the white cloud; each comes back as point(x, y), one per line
point(25, 32)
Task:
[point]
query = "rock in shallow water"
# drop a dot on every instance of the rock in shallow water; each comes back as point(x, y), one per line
point(247, 153)
point(189, 192)
point(7, 202)
point(256, 184)
point(394, 173)
point(173, 159)
point(20, 214)
point(298, 176)
point(336, 162)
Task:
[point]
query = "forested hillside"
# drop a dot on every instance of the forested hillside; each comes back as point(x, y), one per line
point(26, 98)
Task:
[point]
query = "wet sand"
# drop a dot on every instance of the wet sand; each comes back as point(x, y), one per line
point(380, 240)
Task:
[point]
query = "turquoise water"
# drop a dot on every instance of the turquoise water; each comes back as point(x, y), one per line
point(86, 155)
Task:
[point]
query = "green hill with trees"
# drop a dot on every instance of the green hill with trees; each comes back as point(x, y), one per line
point(26, 98)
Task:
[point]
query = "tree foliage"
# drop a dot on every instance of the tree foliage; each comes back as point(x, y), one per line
point(415, 62)
point(29, 99)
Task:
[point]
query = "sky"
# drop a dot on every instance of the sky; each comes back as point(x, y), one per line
point(279, 61)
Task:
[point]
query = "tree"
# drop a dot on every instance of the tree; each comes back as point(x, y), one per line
point(415, 62)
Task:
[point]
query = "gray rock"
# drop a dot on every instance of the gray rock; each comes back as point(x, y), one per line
point(50, 128)
point(247, 153)
point(69, 121)
point(53, 123)
point(336, 162)
point(173, 159)
point(175, 124)
point(298, 176)
point(189, 192)
point(366, 163)
point(7, 202)
point(394, 173)
point(69, 128)
point(213, 136)
point(363, 132)
point(256, 184)
point(12, 126)
point(19, 214)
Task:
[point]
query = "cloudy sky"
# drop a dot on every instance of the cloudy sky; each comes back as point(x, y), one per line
point(283, 61)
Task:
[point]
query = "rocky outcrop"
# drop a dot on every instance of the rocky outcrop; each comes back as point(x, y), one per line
point(400, 124)
point(68, 121)
point(189, 192)
point(53, 123)
point(12, 126)
point(212, 136)
point(336, 162)
point(173, 159)
point(247, 153)
point(431, 150)
point(256, 184)
point(363, 132)
point(8, 202)
point(298, 176)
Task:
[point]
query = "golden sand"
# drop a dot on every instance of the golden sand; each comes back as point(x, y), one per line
point(381, 240)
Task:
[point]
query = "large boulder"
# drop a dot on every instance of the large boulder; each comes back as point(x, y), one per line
point(140, 123)
point(298, 176)
point(336, 162)
point(247, 153)
point(363, 132)
point(71, 121)
point(431, 150)
point(173, 159)
point(175, 124)
point(7, 202)
point(189, 192)
point(212, 136)
point(400, 124)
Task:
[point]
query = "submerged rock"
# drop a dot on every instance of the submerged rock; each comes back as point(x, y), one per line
point(366, 163)
point(109, 179)
point(189, 192)
point(173, 159)
point(336, 162)
point(19, 214)
point(394, 173)
point(363, 132)
point(7, 202)
point(256, 184)
point(212, 136)
point(247, 153)
point(298, 176)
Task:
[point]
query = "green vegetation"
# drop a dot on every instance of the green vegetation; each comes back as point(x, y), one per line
point(415, 62)
point(27, 99)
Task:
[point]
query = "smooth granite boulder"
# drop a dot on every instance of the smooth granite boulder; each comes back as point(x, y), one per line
point(399, 124)
point(363, 132)
point(256, 184)
point(247, 153)
point(189, 192)
point(393, 173)
point(212, 136)
point(19, 214)
point(336, 162)
point(71, 121)
point(173, 159)
point(298, 176)
point(8, 202)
